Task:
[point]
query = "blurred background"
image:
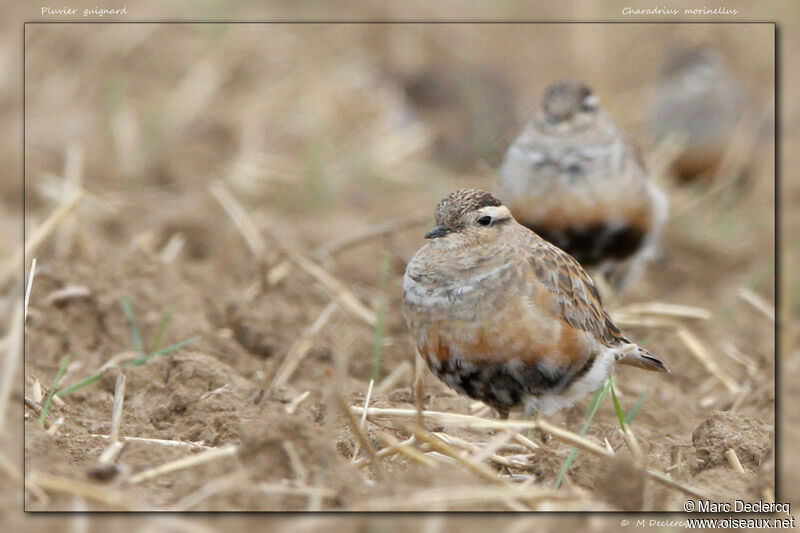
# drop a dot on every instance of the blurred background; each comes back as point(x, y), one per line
point(324, 131)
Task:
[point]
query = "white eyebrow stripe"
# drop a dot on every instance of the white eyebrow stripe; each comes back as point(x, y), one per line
point(495, 211)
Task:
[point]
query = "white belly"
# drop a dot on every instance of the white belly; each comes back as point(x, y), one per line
point(549, 404)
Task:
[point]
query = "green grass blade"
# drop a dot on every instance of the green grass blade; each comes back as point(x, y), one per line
point(49, 400)
point(617, 406)
point(377, 351)
point(565, 466)
point(133, 362)
point(599, 396)
point(162, 328)
point(635, 409)
point(173, 347)
point(78, 385)
point(127, 308)
point(163, 351)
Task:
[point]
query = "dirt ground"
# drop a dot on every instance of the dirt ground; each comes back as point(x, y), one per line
point(321, 133)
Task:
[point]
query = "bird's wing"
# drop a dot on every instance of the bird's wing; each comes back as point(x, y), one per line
point(578, 302)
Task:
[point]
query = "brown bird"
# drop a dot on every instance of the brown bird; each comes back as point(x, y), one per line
point(577, 181)
point(700, 103)
point(505, 317)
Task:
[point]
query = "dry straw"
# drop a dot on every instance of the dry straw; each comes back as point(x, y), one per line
point(360, 435)
point(733, 460)
point(699, 351)
point(213, 454)
point(301, 346)
point(111, 497)
point(292, 406)
point(476, 422)
point(106, 467)
point(471, 464)
point(758, 303)
point(36, 237)
point(399, 373)
point(363, 420)
point(29, 286)
point(13, 353)
point(193, 446)
point(372, 232)
point(258, 246)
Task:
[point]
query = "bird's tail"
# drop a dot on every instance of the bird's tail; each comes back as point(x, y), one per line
point(634, 355)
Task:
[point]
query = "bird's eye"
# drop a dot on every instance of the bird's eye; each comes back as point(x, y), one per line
point(589, 104)
point(485, 220)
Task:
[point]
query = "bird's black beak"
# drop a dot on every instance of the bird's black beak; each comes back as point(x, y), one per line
point(438, 231)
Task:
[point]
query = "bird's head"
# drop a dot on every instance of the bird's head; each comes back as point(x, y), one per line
point(569, 104)
point(468, 216)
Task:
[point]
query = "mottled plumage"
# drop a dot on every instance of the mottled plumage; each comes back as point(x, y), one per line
point(577, 181)
point(505, 317)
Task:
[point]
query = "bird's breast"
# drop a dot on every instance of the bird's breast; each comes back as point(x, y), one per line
point(458, 289)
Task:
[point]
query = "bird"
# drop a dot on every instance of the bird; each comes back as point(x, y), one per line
point(505, 317)
point(697, 101)
point(575, 179)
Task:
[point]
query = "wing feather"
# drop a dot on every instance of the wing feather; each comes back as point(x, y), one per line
point(579, 303)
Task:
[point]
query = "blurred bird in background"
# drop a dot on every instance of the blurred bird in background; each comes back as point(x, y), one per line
point(575, 179)
point(699, 104)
